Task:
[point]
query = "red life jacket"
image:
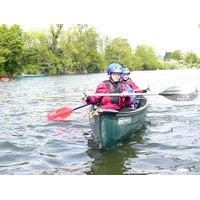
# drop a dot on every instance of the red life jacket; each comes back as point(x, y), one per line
point(113, 88)
point(133, 85)
point(108, 102)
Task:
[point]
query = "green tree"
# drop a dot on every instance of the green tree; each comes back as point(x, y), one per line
point(191, 58)
point(80, 48)
point(36, 55)
point(119, 51)
point(145, 58)
point(56, 53)
point(137, 63)
point(176, 55)
point(11, 43)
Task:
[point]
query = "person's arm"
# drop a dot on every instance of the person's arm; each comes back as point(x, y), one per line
point(126, 100)
point(101, 88)
point(133, 85)
point(136, 88)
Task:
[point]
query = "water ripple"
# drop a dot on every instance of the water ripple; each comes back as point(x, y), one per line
point(30, 144)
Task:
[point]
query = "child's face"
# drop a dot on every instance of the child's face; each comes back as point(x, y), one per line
point(115, 76)
point(126, 76)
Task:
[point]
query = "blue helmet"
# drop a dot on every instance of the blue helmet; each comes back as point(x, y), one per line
point(126, 71)
point(114, 68)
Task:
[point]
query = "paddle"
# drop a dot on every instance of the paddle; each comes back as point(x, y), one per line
point(61, 113)
point(174, 93)
point(177, 93)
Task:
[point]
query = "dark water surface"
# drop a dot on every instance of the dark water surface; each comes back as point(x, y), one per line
point(168, 143)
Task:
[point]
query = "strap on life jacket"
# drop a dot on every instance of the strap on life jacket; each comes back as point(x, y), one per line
point(114, 99)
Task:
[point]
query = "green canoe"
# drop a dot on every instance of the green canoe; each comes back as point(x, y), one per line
point(110, 127)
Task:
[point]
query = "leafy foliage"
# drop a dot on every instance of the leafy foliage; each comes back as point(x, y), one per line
point(118, 51)
point(78, 49)
point(191, 57)
point(146, 58)
point(176, 55)
point(11, 44)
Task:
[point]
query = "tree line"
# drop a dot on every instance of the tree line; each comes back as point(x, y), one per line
point(78, 49)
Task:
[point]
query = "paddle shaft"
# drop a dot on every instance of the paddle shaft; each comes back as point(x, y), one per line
point(80, 107)
point(121, 94)
point(173, 93)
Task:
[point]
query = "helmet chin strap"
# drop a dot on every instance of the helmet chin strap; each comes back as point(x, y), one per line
point(115, 82)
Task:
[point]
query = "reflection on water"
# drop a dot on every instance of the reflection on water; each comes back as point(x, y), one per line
point(112, 162)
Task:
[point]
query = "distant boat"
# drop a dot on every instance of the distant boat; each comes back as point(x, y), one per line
point(5, 79)
point(30, 75)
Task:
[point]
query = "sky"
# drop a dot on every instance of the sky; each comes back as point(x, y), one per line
point(165, 25)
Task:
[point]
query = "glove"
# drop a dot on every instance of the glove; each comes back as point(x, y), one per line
point(125, 94)
point(85, 98)
point(127, 98)
point(146, 90)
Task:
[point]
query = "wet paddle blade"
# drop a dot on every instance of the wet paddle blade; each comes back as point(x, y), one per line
point(180, 94)
point(59, 114)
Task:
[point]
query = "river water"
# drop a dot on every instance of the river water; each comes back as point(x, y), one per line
point(168, 143)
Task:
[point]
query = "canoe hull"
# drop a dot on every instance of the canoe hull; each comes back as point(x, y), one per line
point(111, 127)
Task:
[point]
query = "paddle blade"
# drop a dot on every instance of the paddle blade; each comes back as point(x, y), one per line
point(59, 114)
point(180, 94)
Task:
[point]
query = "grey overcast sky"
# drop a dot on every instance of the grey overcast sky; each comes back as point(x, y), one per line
point(166, 25)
